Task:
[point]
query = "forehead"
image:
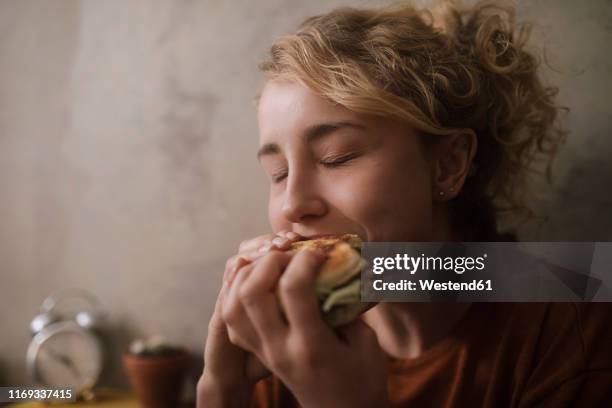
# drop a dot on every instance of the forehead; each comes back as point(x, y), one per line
point(285, 106)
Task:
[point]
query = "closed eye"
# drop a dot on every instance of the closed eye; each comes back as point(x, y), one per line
point(338, 160)
point(277, 178)
point(330, 162)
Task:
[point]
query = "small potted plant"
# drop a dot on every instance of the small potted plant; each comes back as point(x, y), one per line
point(157, 370)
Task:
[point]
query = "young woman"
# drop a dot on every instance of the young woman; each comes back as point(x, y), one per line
point(397, 125)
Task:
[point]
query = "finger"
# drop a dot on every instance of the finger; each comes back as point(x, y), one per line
point(230, 267)
point(279, 243)
point(216, 324)
point(236, 262)
point(217, 339)
point(293, 236)
point(298, 297)
point(253, 244)
point(285, 239)
point(282, 240)
point(259, 300)
point(240, 330)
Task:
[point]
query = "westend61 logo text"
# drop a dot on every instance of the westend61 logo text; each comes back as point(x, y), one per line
point(412, 264)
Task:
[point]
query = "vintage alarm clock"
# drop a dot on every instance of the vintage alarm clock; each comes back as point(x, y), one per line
point(67, 351)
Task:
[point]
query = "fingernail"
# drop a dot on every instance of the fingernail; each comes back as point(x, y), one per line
point(279, 241)
point(265, 248)
point(292, 235)
point(241, 261)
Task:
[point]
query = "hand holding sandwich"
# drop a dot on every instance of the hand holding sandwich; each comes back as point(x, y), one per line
point(230, 372)
point(272, 310)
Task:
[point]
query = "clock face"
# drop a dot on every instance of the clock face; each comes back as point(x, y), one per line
point(66, 356)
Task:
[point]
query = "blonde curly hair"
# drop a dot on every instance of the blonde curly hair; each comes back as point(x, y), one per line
point(440, 70)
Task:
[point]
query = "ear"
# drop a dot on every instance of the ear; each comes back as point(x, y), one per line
point(452, 160)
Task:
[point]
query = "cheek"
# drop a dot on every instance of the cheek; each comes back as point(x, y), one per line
point(275, 214)
point(392, 202)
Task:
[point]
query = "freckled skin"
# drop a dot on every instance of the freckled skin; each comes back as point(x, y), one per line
point(384, 194)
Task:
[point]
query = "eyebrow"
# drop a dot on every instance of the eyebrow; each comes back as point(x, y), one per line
point(311, 134)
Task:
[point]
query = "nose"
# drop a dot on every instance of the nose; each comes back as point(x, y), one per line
point(302, 201)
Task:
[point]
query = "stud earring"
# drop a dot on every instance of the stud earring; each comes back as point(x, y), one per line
point(441, 193)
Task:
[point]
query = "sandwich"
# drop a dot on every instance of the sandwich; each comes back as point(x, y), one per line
point(338, 283)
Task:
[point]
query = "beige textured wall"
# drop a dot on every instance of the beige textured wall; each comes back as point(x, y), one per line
point(127, 139)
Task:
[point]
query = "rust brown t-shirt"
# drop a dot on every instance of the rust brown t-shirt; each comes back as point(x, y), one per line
point(502, 355)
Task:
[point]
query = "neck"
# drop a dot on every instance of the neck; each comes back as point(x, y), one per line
point(406, 330)
point(441, 228)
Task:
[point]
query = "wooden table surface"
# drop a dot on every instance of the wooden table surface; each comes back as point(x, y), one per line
point(104, 399)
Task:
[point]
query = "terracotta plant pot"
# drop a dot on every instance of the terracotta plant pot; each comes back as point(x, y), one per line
point(157, 380)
